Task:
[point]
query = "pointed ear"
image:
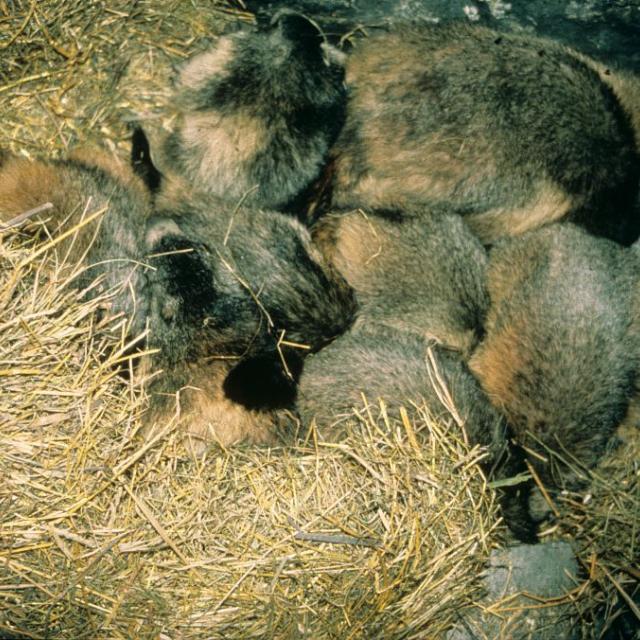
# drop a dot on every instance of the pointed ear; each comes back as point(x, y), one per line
point(306, 37)
point(262, 382)
point(141, 161)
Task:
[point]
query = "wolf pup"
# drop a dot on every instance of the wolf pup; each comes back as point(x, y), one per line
point(422, 300)
point(210, 282)
point(420, 286)
point(561, 353)
point(238, 284)
point(96, 193)
point(508, 130)
point(257, 114)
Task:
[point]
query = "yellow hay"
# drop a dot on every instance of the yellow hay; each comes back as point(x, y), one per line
point(106, 535)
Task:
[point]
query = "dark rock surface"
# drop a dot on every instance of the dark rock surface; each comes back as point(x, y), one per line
point(608, 30)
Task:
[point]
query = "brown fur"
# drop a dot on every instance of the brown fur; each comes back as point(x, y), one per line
point(458, 114)
point(207, 415)
point(70, 188)
point(256, 114)
point(213, 62)
point(550, 205)
point(112, 166)
point(625, 85)
point(561, 354)
point(251, 279)
point(509, 130)
point(219, 144)
point(406, 272)
point(89, 183)
point(225, 282)
point(497, 364)
point(419, 281)
point(19, 176)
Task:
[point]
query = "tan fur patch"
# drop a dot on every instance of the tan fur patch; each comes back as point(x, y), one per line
point(218, 420)
point(419, 170)
point(355, 245)
point(366, 250)
point(175, 190)
point(111, 165)
point(368, 62)
point(25, 185)
point(324, 234)
point(204, 66)
point(221, 144)
point(207, 417)
point(550, 204)
point(496, 364)
point(359, 242)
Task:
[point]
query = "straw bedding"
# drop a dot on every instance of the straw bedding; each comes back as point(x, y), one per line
point(106, 535)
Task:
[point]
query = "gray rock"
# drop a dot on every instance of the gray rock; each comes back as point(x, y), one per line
point(544, 571)
point(608, 30)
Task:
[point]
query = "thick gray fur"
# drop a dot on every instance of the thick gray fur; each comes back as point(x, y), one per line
point(405, 288)
point(509, 130)
point(258, 113)
point(255, 278)
point(562, 348)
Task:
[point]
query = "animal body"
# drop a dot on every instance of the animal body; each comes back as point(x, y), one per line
point(109, 205)
point(257, 114)
point(406, 370)
point(421, 300)
point(550, 321)
point(253, 288)
point(419, 271)
point(561, 352)
point(417, 282)
point(210, 282)
point(511, 131)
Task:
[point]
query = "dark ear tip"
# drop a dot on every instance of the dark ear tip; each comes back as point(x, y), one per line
point(295, 26)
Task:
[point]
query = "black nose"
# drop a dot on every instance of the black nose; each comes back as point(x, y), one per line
point(266, 381)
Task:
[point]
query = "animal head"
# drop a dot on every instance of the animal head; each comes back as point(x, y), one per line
point(286, 64)
point(257, 113)
point(229, 282)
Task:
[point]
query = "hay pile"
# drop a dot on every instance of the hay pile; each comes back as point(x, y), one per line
point(72, 69)
point(605, 524)
point(104, 535)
